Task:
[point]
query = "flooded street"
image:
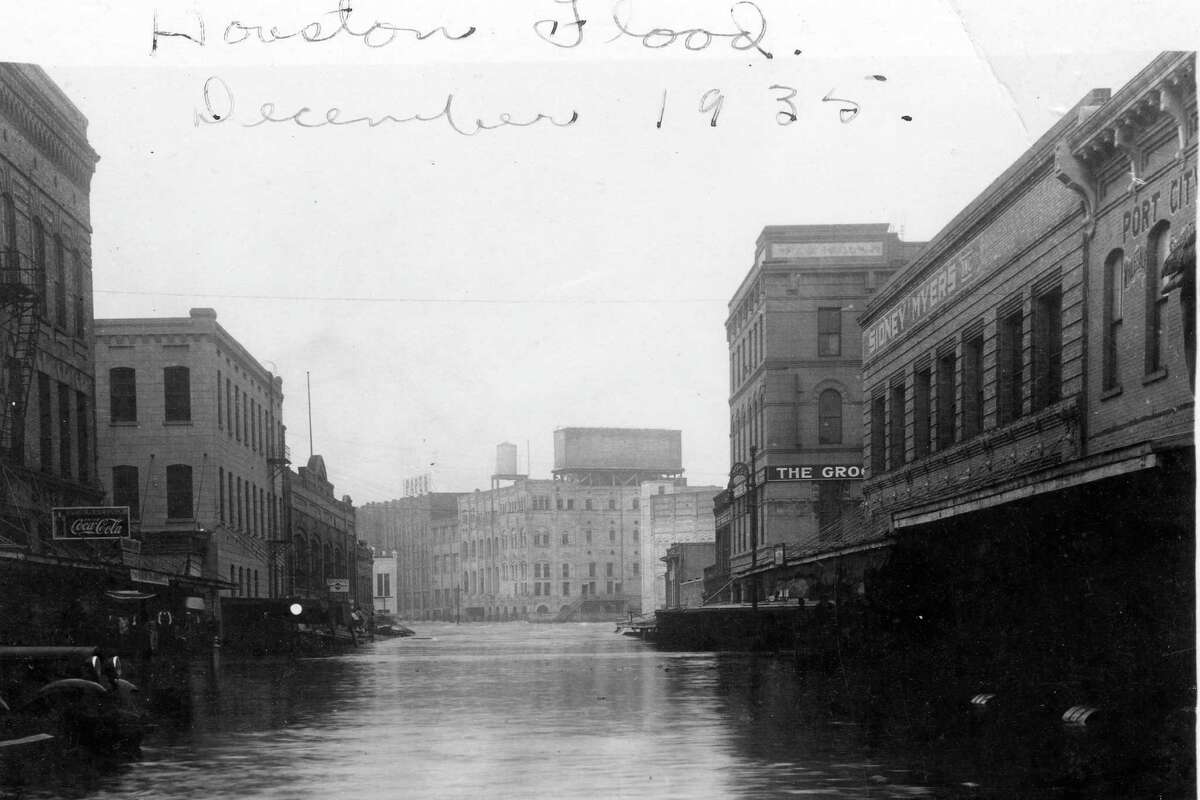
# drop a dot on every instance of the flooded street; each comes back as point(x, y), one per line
point(515, 710)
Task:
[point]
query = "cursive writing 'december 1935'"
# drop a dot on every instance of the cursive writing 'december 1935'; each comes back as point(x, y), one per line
point(220, 107)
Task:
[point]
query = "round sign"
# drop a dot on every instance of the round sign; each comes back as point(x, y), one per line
point(296, 609)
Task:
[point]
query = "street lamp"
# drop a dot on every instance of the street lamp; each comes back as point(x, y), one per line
point(742, 484)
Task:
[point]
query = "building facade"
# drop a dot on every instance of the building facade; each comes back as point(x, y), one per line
point(421, 531)
point(683, 578)
point(384, 581)
point(48, 414)
point(671, 513)
point(322, 545)
point(1031, 405)
point(550, 550)
point(795, 400)
point(192, 441)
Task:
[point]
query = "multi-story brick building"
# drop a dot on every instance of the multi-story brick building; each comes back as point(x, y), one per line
point(795, 396)
point(671, 513)
point(47, 418)
point(191, 439)
point(1030, 414)
point(322, 544)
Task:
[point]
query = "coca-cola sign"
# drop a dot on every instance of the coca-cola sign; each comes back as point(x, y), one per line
point(91, 522)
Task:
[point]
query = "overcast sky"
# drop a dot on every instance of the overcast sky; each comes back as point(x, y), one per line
point(449, 292)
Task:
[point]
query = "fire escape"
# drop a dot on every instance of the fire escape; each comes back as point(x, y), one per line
point(21, 287)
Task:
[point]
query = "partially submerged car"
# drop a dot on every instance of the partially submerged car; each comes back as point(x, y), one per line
point(76, 695)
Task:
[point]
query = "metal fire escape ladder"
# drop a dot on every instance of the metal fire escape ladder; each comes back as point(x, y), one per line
point(18, 353)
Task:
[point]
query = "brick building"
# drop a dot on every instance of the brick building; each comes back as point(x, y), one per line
point(795, 397)
point(322, 542)
point(192, 441)
point(671, 513)
point(1030, 414)
point(48, 418)
point(683, 576)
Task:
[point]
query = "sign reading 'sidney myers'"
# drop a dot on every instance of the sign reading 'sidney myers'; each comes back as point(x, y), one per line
point(950, 277)
point(91, 522)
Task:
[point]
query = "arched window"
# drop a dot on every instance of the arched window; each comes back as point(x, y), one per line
point(39, 265)
point(8, 238)
point(1158, 245)
point(1113, 311)
point(60, 283)
point(829, 417)
point(80, 294)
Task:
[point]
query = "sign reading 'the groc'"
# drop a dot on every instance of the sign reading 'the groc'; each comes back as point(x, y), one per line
point(815, 472)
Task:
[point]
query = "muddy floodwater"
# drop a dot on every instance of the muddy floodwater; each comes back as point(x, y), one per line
point(519, 710)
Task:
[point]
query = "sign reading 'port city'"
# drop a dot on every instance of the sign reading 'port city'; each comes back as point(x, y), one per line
point(91, 522)
point(814, 472)
point(950, 278)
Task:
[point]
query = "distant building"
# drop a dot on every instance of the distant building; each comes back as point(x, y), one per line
point(192, 441)
point(671, 513)
point(683, 578)
point(384, 580)
point(422, 533)
point(322, 548)
point(795, 397)
point(48, 417)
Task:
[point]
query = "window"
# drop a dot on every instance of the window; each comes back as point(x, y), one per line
point(228, 408)
point(1011, 364)
point(878, 435)
point(587, 504)
point(12, 263)
point(179, 491)
point(85, 445)
point(637, 503)
point(1159, 245)
point(566, 538)
point(612, 535)
point(558, 503)
point(566, 589)
point(566, 570)
point(973, 386)
point(238, 495)
point(592, 570)
point(64, 430)
point(612, 504)
point(80, 294)
point(122, 394)
point(896, 454)
point(1047, 349)
point(829, 414)
point(571, 505)
point(608, 569)
point(1113, 311)
point(220, 404)
point(221, 492)
point(60, 283)
point(125, 489)
point(237, 413)
point(829, 331)
point(45, 424)
point(39, 266)
point(947, 408)
point(922, 384)
point(177, 394)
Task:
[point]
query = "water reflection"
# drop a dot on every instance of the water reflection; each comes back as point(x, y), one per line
point(519, 710)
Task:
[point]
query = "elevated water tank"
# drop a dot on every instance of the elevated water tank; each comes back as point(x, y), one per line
point(506, 459)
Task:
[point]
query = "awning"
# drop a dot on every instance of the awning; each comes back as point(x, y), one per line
point(128, 595)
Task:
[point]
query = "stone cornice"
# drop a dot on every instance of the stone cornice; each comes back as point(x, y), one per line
point(42, 118)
